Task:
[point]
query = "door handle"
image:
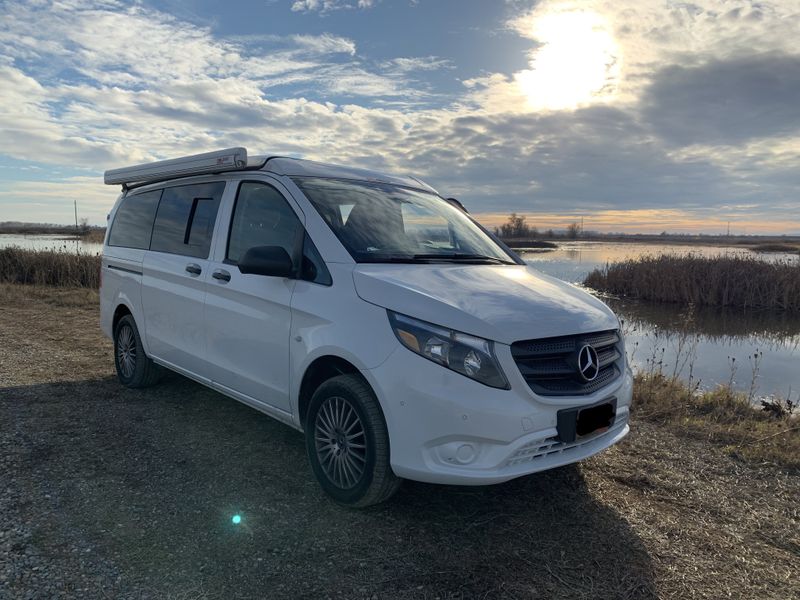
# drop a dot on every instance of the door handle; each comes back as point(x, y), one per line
point(193, 269)
point(221, 275)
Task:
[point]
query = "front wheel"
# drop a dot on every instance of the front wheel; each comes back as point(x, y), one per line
point(348, 444)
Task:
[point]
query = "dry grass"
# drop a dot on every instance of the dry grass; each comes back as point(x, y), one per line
point(723, 417)
point(712, 281)
point(671, 512)
point(93, 236)
point(49, 267)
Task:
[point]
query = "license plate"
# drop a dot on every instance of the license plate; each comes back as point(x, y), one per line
point(575, 423)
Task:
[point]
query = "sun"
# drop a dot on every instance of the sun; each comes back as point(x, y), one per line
point(577, 63)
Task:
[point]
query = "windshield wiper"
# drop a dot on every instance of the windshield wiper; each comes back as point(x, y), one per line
point(462, 256)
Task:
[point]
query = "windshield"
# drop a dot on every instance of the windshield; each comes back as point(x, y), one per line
point(379, 222)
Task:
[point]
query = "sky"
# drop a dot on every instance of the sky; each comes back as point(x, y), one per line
point(635, 115)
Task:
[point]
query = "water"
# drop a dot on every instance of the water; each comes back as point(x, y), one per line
point(573, 261)
point(719, 344)
point(709, 344)
point(49, 242)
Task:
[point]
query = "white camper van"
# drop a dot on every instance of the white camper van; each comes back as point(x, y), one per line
point(364, 310)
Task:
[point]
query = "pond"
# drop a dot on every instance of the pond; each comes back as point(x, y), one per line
point(707, 344)
point(750, 349)
point(49, 241)
point(573, 261)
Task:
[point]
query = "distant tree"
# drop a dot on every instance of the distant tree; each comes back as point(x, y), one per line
point(550, 233)
point(515, 227)
point(84, 224)
point(573, 230)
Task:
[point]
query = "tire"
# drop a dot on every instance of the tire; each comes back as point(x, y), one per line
point(348, 444)
point(134, 368)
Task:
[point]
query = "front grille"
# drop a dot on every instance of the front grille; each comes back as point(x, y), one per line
point(550, 366)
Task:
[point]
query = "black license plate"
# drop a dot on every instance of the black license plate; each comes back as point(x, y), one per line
point(575, 423)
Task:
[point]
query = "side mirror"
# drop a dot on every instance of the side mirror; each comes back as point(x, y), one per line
point(272, 261)
point(457, 204)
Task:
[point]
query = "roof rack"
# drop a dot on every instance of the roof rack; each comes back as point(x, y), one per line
point(230, 159)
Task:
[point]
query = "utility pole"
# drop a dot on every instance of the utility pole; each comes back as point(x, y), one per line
point(76, 214)
point(729, 229)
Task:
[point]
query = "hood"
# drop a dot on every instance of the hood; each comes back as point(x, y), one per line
point(503, 303)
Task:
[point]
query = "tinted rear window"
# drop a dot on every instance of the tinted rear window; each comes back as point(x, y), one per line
point(133, 222)
point(185, 220)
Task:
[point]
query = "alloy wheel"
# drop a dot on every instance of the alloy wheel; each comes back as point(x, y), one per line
point(340, 442)
point(126, 351)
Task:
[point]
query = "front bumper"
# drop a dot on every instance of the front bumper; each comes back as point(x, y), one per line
point(446, 428)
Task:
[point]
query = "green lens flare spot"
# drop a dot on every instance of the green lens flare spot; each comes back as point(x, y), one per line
point(236, 519)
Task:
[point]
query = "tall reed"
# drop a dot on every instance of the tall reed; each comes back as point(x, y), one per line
point(743, 282)
point(49, 267)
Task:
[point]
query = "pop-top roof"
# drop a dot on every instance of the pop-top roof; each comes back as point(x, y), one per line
point(237, 159)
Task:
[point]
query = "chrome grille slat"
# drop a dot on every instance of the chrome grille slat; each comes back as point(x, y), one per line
point(548, 365)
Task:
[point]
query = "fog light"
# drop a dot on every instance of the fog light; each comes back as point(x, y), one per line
point(465, 453)
point(236, 519)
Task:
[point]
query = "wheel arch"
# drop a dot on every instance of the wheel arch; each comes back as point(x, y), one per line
point(120, 311)
point(318, 372)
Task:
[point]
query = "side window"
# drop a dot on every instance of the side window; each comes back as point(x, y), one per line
point(133, 221)
point(314, 269)
point(185, 219)
point(261, 217)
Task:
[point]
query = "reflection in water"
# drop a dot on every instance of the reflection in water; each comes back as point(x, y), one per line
point(709, 344)
point(715, 346)
point(708, 321)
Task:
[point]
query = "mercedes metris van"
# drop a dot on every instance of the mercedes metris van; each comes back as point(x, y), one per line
point(365, 310)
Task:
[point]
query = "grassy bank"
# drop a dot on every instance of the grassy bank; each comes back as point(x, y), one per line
point(49, 267)
point(722, 417)
point(529, 243)
point(775, 247)
point(712, 281)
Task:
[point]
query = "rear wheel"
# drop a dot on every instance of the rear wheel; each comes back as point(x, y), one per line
point(348, 444)
point(134, 368)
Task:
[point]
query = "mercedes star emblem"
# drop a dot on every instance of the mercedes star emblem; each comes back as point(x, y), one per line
point(588, 363)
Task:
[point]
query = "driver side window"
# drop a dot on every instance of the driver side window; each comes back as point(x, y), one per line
point(261, 217)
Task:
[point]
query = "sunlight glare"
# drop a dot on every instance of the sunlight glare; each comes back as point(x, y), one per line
point(577, 63)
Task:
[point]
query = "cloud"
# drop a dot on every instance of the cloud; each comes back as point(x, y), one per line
point(420, 63)
point(158, 84)
point(324, 6)
point(710, 132)
point(52, 201)
point(726, 101)
point(325, 43)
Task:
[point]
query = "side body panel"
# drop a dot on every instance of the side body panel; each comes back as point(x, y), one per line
point(121, 278)
point(248, 319)
point(173, 300)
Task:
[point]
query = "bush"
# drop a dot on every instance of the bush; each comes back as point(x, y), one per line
point(743, 282)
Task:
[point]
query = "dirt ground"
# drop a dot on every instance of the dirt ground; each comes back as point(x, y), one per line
point(113, 493)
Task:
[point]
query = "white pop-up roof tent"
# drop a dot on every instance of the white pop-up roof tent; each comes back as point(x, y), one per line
point(230, 159)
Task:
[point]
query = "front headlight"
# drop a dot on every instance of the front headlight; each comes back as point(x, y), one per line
point(466, 354)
